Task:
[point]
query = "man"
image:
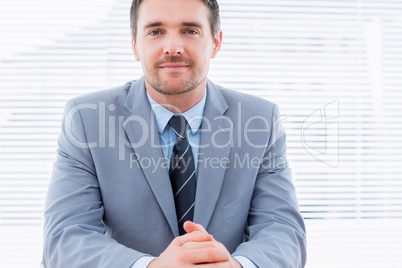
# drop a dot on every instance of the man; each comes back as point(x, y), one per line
point(172, 170)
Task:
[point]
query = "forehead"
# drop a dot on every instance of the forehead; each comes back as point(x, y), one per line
point(172, 12)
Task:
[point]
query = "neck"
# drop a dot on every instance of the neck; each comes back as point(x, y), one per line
point(178, 103)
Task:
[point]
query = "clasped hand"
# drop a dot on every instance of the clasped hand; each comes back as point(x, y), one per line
point(196, 248)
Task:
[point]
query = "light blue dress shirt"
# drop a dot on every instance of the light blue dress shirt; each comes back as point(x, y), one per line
point(166, 133)
point(168, 138)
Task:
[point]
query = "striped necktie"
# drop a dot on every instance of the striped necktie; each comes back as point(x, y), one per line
point(182, 173)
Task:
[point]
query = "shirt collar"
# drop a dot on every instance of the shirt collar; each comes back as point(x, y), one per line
point(193, 115)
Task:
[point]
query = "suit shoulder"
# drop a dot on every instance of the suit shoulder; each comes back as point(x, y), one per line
point(250, 103)
point(112, 95)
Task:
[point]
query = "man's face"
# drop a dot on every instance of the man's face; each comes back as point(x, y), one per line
point(174, 44)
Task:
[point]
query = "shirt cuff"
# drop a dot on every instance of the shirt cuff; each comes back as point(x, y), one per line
point(143, 262)
point(245, 262)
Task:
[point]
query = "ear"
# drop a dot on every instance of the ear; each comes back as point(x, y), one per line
point(217, 44)
point(134, 49)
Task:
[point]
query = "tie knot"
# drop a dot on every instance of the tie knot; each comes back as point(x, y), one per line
point(179, 125)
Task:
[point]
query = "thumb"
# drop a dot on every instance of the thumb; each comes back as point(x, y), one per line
point(190, 227)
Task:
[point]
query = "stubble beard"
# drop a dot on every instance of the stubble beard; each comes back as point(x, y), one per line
point(162, 86)
point(179, 87)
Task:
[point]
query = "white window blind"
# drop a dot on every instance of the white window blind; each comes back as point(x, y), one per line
point(333, 67)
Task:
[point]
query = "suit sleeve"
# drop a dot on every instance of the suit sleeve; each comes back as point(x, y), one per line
point(74, 235)
point(275, 229)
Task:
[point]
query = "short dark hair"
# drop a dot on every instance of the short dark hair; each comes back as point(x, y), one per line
point(214, 18)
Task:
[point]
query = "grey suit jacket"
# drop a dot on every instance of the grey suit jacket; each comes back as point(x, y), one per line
point(110, 200)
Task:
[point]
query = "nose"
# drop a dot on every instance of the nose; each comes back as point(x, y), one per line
point(173, 46)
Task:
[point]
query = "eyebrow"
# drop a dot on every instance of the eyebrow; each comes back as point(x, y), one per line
point(159, 23)
point(153, 24)
point(192, 24)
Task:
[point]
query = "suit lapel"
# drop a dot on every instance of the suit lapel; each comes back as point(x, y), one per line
point(216, 133)
point(143, 135)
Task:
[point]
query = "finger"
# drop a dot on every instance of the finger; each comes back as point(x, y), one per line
point(199, 245)
point(195, 236)
point(207, 255)
point(190, 226)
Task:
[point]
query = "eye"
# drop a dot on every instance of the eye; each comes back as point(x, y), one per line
point(191, 32)
point(154, 32)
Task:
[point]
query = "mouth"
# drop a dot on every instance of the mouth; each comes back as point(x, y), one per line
point(174, 66)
